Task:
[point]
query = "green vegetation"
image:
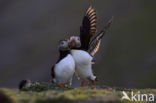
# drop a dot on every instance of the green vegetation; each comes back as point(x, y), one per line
point(50, 93)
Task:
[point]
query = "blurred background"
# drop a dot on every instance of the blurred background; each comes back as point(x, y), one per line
point(30, 31)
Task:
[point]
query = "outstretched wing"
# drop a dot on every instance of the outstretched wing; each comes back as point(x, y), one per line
point(96, 41)
point(88, 28)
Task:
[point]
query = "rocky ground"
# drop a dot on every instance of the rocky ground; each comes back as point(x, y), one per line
point(49, 93)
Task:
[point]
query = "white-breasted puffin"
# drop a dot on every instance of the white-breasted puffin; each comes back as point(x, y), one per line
point(62, 72)
point(84, 47)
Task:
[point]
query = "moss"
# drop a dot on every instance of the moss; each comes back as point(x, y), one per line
point(43, 86)
point(50, 93)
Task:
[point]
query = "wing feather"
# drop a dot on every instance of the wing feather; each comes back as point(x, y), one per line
point(96, 41)
point(88, 28)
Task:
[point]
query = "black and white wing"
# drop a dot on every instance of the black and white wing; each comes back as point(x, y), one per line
point(95, 44)
point(96, 41)
point(88, 28)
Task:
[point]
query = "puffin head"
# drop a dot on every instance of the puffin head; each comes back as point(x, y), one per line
point(74, 42)
point(63, 45)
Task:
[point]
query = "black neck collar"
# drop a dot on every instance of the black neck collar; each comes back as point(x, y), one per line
point(63, 53)
point(79, 49)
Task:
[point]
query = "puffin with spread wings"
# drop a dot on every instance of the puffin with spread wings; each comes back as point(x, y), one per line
point(84, 47)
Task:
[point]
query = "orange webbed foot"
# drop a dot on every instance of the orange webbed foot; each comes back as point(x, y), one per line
point(61, 85)
point(92, 62)
point(93, 83)
point(82, 83)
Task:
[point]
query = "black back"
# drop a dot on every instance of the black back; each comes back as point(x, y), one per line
point(84, 33)
point(52, 72)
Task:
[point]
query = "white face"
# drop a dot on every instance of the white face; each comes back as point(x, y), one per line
point(63, 45)
point(75, 41)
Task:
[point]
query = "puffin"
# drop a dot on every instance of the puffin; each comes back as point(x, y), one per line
point(62, 72)
point(24, 83)
point(85, 46)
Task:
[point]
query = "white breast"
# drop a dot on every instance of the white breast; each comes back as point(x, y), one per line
point(81, 56)
point(83, 63)
point(64, 70)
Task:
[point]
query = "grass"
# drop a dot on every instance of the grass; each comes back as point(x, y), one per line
point(50, 93)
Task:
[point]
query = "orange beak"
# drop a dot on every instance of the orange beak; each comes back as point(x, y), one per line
point(71, 42)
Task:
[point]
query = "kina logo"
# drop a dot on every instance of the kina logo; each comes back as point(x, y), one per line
point(137, 96)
